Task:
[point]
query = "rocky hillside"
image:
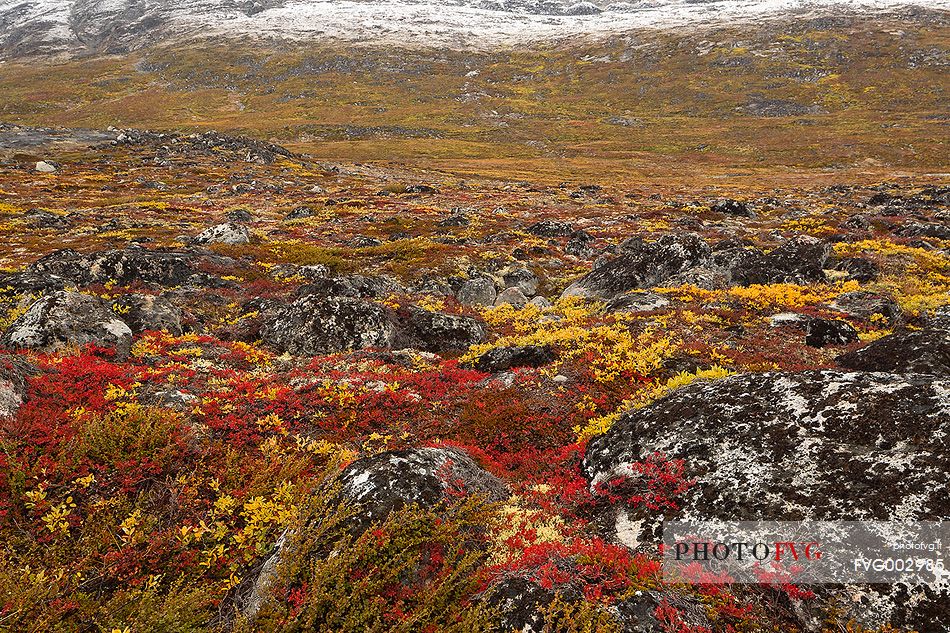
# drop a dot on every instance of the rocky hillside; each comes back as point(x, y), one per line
point(83, 27)
point(242, 389)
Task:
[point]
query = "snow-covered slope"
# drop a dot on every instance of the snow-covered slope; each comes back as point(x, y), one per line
point(82, 26)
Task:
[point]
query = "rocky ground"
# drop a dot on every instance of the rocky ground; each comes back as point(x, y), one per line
point(243, 389)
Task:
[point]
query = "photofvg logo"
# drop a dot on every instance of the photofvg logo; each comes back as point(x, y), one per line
point(807, 552)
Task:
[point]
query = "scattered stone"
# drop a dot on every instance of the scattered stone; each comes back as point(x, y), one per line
point(14, 372)
point(442, 333)
point(522, 279)
point(45, 167)
point(790, 319)
point(122, 267)
point(300, 213)
point(825, 445)
point(799, 260)
point(238, 215)
point(859, 269)
point(825, 332)
point(63, 319)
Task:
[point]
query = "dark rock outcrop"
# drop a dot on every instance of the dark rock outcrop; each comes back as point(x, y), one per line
point(642, 264)
point(440, 332)
point(923, 352)
point(798, 260)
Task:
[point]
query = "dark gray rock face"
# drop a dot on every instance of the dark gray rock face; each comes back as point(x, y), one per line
point(924, 352)
point(442, 333)
point(425, 477)
point(14, 372)
point(799, 260)
point(62, 318)
point(123, 267)
point(505, 358)
point(314, 325)
point(522, 279)
point(864, 305)
point(148, 312)
point(642, 265)
point(825, 332)
point(824, 445)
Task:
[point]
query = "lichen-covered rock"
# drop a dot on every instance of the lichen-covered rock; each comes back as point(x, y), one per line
point(122, 267)
point(639, 301)
point(923, 352)
point(505, 358)
point(14, 372)
point(798, 260)
point(148, 312)
point(478, 291)
point(824, 445)
point(314, 325)
point(425, 477)
point(642, 265)
point(440, 332)
point(64, 318)
point(825, 332)
point(229, 233)
point(864, 305)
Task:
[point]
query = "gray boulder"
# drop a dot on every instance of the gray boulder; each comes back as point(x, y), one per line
point(61, 319)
